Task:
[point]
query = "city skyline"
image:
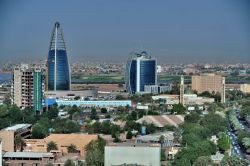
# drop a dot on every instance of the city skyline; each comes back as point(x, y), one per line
point(173, 32)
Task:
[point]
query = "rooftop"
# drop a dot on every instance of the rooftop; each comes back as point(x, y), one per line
point(17, 127)
point(162, 120)
point(126, 144)
point(156, 136)
point(27, 155)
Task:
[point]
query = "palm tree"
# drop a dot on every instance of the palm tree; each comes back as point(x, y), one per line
point(51, 146)
point(19, 143)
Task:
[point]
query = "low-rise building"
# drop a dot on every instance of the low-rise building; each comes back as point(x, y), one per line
point(245, 88)
point(63, 141)
point(9, 134)
point(168, 138)
point(27, 158)
point(94, 103)
point(71, 94)
point(157, 89)
point(189, 99)
point(132, 154)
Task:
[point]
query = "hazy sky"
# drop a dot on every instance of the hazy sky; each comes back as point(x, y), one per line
point(173, 31)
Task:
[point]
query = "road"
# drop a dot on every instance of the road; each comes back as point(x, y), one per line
point(236, 149)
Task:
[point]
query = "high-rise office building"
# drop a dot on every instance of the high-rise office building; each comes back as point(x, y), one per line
point(140, 71)
point(58, 63)
point(27, 87)
point(207, 82)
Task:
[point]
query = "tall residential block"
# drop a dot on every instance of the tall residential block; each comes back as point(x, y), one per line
point(140, 71)
point(207, 82)
point(223, 91)
point(58, 63)
point(182, 90)
point(27, 87)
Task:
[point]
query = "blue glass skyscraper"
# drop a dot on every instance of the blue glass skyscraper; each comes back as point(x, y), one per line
point(140, 71)
point(58, 63)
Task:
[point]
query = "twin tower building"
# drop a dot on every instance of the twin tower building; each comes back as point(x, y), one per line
point(140, 68)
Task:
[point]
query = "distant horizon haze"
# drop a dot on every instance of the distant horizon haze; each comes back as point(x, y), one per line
point(194, 31)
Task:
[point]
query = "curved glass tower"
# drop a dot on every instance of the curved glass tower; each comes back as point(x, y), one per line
point(140, 71)
point(58, 64)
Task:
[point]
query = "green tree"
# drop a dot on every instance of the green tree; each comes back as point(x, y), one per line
point(95, 152)
point(120, 97)
point(134, 115)
point(242, 134)
point(77, 98)
point(104, 110)
point(203, 161)
point(129, 135)
point(51, 146)
point(233, 161)
point(246, 144)
point(49, 164)
point(192, 118)
point(39, 131)
point(178, 109)
point(215, 123)
point(69, 163)
point(72, 149)
point(141, 113)
point(93, 114)
point(163, 155)
point(224, 142)
point(53, 112)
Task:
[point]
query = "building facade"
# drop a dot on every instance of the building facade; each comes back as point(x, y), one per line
point(140, 71)
point(27, 87)
point(245, 88)
point(207, 82)
point(37, 90)
point(157, 89)
point(58, 64)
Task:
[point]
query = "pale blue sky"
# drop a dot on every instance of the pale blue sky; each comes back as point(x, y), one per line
point(174, 31)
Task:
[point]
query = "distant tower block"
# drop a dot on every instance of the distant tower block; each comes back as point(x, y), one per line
point(182, 90)
point(223, 93)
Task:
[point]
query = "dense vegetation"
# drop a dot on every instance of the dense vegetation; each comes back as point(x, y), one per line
point(196, 133)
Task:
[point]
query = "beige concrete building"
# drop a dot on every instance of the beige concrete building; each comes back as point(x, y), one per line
point(28, 159)
point(62, 141)
point(22, 86)
point(207, 82)
point(9, 134)
point(245, 88)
